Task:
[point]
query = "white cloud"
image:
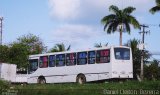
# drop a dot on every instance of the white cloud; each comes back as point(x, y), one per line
point(74, 9)
point(64, 9)
point(79, 36)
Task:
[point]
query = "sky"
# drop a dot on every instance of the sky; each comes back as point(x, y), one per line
point(75, 22)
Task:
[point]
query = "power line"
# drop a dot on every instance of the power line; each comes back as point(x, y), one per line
point(1, 19)
point(154, 25)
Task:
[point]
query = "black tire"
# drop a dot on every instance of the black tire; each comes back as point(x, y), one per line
point(41, 81)
point(81, 79)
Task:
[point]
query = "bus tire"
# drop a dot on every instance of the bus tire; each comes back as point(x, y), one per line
point(41, 80)
point(81, 79)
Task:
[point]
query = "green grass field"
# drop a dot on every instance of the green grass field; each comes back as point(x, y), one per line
point(111, 88)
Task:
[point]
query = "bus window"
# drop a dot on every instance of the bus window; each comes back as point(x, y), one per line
point(60, 60)
point(103, 56)
point(71, 59)
point(91, 57)
point(52, 60)
point(82, 58)
point(122, 53)
point(33, 65)
point(43, 62)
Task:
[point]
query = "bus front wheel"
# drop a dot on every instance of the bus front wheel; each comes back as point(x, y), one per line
point(81, 79)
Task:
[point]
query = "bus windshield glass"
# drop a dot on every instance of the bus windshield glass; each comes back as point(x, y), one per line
point(122, 53)
point(33, 65)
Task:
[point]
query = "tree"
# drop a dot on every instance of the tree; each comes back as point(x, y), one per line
point(99, 45)
point(59, 48)
point(155, 8)
point(33, 42)
point(152, 72)
point(18, 51)
point(24, 46)
point(4, 53)
point(136, 56)
point(119, 20)
point(19, 55)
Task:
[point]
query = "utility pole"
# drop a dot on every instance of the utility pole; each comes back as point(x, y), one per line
point(142, 54)
point(1, 29)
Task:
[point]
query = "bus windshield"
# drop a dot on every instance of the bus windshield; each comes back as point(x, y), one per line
point(33, 65)
point(122, 53)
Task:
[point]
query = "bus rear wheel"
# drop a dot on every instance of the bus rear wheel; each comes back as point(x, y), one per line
point(81, 79)
point(41, 80)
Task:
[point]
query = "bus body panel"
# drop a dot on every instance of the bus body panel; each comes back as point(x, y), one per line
point(122, 68)
point(93, 72)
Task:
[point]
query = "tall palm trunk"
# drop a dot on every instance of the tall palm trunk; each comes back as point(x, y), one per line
point(120, 38)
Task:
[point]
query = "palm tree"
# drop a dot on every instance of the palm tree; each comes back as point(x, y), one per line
point(60, 47)
point(156, 8)
point(120, 20)
point(136, 55)
point(99, 45)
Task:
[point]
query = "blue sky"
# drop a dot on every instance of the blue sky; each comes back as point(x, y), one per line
point(75, 22)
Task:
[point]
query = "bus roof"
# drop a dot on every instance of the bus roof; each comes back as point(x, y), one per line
point(55, 53)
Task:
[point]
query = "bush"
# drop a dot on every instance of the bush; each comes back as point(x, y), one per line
point(4, 85)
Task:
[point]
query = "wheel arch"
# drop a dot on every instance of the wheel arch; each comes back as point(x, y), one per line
point(41, 77)
point(80, 75)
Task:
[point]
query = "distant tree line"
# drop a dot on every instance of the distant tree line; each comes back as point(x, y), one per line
point(18, 51)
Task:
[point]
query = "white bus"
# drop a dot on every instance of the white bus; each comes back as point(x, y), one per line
point(81, 66)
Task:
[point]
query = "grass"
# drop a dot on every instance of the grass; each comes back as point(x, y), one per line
point(89, 88)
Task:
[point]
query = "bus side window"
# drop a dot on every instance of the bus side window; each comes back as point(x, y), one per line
point(91, 57)
point(43, 62)
point(33, 65)
point(60, 60)
point(81, 58)
point(71, 59)
point(52, 60)
point(103, 56)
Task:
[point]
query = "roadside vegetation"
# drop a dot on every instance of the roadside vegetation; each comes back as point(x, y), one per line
point(88, 88)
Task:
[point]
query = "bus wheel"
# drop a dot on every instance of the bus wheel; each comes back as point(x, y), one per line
point(81, 79)
point(41, 80)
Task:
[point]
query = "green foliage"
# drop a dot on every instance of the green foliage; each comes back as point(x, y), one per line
point(59, 48)
point(136, 56)
point(33, 43)
point(119, 20)
point(4, 85)
point(23, 47)
point(155, 8)
point(99, 45)
point(4, 53)
point(19, 55)
point(87, 89)
point(152, 72)
point(18, 51)
point(15, 54)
